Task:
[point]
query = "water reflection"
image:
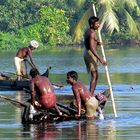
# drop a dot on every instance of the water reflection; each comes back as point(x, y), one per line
point(93, 130)
point(126, 89)
point(79, 130)
point(126, 126)
point(88, 131)
point(41, 131)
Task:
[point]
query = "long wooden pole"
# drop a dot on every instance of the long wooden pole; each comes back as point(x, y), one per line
point(14, 102)
point(106, 68)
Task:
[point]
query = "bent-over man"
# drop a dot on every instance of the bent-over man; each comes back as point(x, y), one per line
point(42, 92)
point(21, 55)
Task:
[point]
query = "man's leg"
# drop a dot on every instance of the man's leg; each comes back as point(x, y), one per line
point(18, 68)
point(93, 82)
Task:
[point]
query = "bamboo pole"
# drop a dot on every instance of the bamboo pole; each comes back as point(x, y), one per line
point(106, 68)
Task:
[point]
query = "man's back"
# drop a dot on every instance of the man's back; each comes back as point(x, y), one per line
point(44, 91)
point(43, 84)
point(23, 52)
point(82, 91)
point(86, 39)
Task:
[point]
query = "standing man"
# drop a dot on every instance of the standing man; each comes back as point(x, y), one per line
point(91, 56)
point(21, 55)
point(42, 92)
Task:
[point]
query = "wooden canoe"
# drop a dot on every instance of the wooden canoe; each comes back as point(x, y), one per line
point(51, 115)
point(14, 84)
point(20, 85)
point(41, 116)
point(9, 83)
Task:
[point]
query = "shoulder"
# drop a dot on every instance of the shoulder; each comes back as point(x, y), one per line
point(36, 78)
point(80, 84)
point(24, 49)
point(44, 78)
point(77, 85)
point(90, 32)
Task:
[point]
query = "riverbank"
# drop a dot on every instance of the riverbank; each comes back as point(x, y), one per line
point(116, 44)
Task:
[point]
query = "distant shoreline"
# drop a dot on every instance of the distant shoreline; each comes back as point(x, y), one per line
point(128, 43)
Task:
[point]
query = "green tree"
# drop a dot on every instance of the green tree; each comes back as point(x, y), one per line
point(10, 16)
point(51, 28)
point(54, 25)
point(16, 14)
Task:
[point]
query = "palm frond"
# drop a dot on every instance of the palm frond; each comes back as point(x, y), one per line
point(106, 2)
point(133, 4)
point(108, 16)
point(110, 21)
point(119, 6)
point(81, 25)
point(132, 24)
point(79, 2)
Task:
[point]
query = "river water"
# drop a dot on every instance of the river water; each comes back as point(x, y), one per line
point(124, 72)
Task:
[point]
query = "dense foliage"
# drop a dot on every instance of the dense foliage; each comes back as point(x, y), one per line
point(51, 22)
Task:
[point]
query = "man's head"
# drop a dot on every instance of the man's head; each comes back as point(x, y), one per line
point(94, 22)
point(72, 75)
point(34, 72)
point(34, 44)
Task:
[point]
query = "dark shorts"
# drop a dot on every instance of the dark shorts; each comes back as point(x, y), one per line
point(90, 60)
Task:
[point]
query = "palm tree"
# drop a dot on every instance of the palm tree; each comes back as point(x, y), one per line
point(111, 12)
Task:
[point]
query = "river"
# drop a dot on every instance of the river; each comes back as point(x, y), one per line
point(124, 72)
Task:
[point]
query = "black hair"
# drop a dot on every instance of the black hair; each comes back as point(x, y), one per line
point(34, 72)
point(73, 74)
point(31, 47)
point(92, 20)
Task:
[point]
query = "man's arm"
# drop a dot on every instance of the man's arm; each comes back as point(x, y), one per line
point(32, 92)
point(78, 101)
point(31, 60)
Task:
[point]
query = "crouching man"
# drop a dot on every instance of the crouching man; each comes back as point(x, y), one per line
point(83, 97)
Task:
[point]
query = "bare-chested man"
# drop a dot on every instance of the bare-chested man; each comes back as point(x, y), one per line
point(42, 92)
point(83, 96)
point(91, 56)
point(21, 55)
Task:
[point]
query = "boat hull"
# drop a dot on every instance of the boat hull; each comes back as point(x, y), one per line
point(14, 84)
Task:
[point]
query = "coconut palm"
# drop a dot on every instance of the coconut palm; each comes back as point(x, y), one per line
point(111, 12)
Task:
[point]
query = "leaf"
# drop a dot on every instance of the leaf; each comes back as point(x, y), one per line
point(81, 25)
point(132, 25)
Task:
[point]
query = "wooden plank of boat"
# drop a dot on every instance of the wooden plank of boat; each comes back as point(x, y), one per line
point(49, 115)
point(20, 85)
point(8, 83)
point(14, 84)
